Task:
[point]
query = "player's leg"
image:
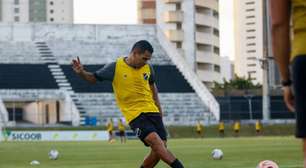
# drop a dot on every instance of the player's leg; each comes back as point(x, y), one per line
point(150, 160)
point(158, 146)
point(149, 129)
point(109, 136)
point(124, 138)
point(299, 83)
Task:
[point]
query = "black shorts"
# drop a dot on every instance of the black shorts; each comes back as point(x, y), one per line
point(147, 123)
point(121, 133)
point(299, 87)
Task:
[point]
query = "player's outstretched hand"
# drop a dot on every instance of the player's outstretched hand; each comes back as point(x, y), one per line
point(77, 66)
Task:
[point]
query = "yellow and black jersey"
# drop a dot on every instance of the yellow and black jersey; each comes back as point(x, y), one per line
point(110, 126)
point(299, 28)
point(221, 126)
point(199, 127)
point(121, 126)
point(131, 87)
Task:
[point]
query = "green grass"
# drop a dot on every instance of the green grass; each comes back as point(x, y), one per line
point(194, 153)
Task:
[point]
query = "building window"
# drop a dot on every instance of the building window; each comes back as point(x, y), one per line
point(16, 19)
point(205, 66)
point(251, 58)
point(216, 50)
point(178, 44)
point(178, 7)
point(249, 17)
point(203, 10)
point(16, 2)
point(204, 47)
point(16, 10)
point(250, 30)
point(51, 19)
point(216, 32)
point(250, 10)
point(251, 44)
point(251, 65)
point(51, 11)
point(51, 3)
point(204, 29)
point(217, 68)
point(250, 3)
point(179, 26)
point(250, 23)
point(215, 14)
point(251, 51)
point(250, 37)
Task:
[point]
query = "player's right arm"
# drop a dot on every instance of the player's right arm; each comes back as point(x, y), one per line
point(107, 72)
point(79, 69)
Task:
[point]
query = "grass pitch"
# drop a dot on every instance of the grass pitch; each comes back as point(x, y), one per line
point(194, 153)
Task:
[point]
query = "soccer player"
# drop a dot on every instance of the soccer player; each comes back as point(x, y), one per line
point(258, 127)
point(133, 82)
point(121, 129)
point(237, 128)
point(199, 129)
point(110, 128)
point(221, 129)
point(281, 12)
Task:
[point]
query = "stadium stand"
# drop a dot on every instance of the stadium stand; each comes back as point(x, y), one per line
point(19, 53)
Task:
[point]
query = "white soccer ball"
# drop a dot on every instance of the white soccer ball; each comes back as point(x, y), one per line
point(267, 164)
point(53, 154)
point(217, 154)
point(34, 162)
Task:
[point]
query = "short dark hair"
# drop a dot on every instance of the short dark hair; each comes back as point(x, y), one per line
point(142, 46)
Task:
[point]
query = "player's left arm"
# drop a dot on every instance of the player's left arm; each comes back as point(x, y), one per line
point(154, 90)
point(280, 14)
point(155, 97)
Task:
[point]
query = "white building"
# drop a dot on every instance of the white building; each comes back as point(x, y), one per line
point(193, 28)
point(249, 39)
point(51, 11)
point(227, 70)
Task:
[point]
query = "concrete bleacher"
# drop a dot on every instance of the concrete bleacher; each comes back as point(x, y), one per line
point(101, 52)
point(178, 108)
point(19, 53)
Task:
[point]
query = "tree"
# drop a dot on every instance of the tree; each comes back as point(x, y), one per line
point(239, 83)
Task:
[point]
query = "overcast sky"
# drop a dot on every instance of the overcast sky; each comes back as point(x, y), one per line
point(125, 12)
